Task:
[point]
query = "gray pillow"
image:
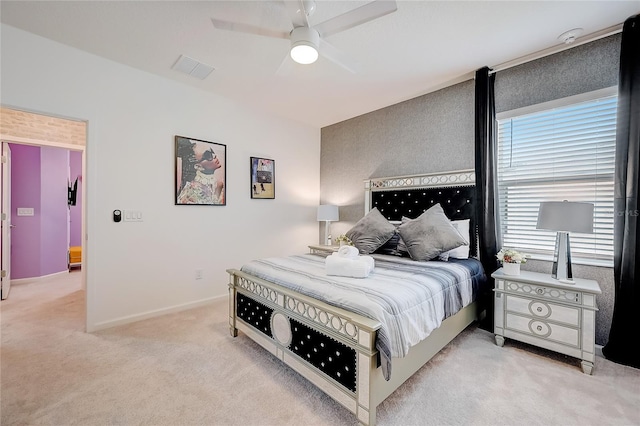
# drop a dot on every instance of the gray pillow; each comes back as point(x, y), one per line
point(402, 247)
point(371, 232)
point(430, 234)
point(390, 247)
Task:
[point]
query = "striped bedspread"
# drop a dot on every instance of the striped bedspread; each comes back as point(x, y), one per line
point(410, 299)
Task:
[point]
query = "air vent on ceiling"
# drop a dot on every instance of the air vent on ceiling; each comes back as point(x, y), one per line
point(192, 67)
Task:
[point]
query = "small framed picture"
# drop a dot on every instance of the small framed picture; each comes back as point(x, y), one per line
point(263, 178)
point(201, 174)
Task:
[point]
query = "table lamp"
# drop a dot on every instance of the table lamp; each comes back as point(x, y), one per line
point(564, 217)
point(327, 213)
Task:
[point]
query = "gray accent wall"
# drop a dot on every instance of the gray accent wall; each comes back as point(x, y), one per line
point(582, 69)
point(430, 133)
point(435, 132)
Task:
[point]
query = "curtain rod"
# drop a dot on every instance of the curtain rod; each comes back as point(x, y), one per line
point(556, 49)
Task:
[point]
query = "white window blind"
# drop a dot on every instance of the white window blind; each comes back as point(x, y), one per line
point(564, 153)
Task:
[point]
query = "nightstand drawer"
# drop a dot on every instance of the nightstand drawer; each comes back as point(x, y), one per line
point(543, 310)
point(543, 329)
point(551, 293)
point(322, 249)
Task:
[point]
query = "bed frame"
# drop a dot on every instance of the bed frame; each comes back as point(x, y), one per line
point(334, 348)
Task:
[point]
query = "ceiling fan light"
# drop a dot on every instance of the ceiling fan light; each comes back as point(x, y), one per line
point(304, 45)
point(304, 53)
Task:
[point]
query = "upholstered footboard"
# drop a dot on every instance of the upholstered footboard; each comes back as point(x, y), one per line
point(331, 347)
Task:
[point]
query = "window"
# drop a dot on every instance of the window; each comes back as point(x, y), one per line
point(561, 150)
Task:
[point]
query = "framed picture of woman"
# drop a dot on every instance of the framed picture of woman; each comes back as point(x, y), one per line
point(263, 178)
point(201, 175)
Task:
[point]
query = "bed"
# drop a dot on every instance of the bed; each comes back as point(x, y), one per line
point(338, 341)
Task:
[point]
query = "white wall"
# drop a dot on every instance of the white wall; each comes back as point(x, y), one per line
point(136, 270)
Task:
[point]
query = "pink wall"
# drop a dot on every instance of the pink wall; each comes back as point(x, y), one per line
point(39, 179)
point(54, 230)
point(25, 192)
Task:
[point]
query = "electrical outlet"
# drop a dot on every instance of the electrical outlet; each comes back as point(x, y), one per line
point(199, 274)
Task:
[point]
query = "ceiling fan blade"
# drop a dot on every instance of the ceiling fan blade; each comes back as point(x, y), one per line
point(286, 67)
point(248, 29)
point(362, 14)
point(297, 13)
point(336, 56)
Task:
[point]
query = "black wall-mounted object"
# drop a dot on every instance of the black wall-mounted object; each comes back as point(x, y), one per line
point(117, 216)
point(72, 193)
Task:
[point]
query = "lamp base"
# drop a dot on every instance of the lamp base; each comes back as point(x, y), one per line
point(562, 259)
point(327, 232)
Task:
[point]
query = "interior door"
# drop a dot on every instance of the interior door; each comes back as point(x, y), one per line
point(5, 274)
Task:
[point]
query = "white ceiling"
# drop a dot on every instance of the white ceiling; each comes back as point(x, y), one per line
point(421, 46)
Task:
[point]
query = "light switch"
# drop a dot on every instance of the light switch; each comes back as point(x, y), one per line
point(132, 216)
point(25, 211)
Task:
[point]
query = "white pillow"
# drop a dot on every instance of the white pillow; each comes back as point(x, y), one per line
point(461, 252)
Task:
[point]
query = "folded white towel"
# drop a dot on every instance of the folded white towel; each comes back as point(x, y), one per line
point(360, 267)
point(369, 260)
point(348, 251)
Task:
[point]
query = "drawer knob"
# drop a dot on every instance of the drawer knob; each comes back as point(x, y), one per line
point(538, 308)
point(539, 291)
point(539, 328)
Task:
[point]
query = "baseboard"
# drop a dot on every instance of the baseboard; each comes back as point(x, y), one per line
point(599, 351)
point(152, 314)
point(19, 281)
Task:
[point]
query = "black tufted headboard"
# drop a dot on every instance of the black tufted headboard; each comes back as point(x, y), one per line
point(410, 196)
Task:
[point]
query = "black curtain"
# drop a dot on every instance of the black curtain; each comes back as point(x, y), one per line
point(625, 327)
point(485, 134)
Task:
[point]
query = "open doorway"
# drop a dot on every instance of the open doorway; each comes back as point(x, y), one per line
point(46, 219)
point(51, 140)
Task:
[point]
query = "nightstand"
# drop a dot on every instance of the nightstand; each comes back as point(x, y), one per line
point(323, 249)
point(535, 308)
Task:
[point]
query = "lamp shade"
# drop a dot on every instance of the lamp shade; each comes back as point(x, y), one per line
point(327, 212)
point(566, 216)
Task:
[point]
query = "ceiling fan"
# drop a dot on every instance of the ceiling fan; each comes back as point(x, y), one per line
point(306, 40)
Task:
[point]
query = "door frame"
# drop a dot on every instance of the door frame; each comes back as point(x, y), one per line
point(83, 148)
point(5, 240)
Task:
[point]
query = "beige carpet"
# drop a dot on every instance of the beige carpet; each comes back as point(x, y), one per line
point(185, 369)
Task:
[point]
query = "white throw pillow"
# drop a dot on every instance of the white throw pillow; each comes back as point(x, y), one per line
point(461, 252)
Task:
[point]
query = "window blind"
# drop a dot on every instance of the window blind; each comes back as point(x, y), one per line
point(564, 153)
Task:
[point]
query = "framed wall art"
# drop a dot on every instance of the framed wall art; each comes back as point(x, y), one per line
point(201, 176)
point(263, 178)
